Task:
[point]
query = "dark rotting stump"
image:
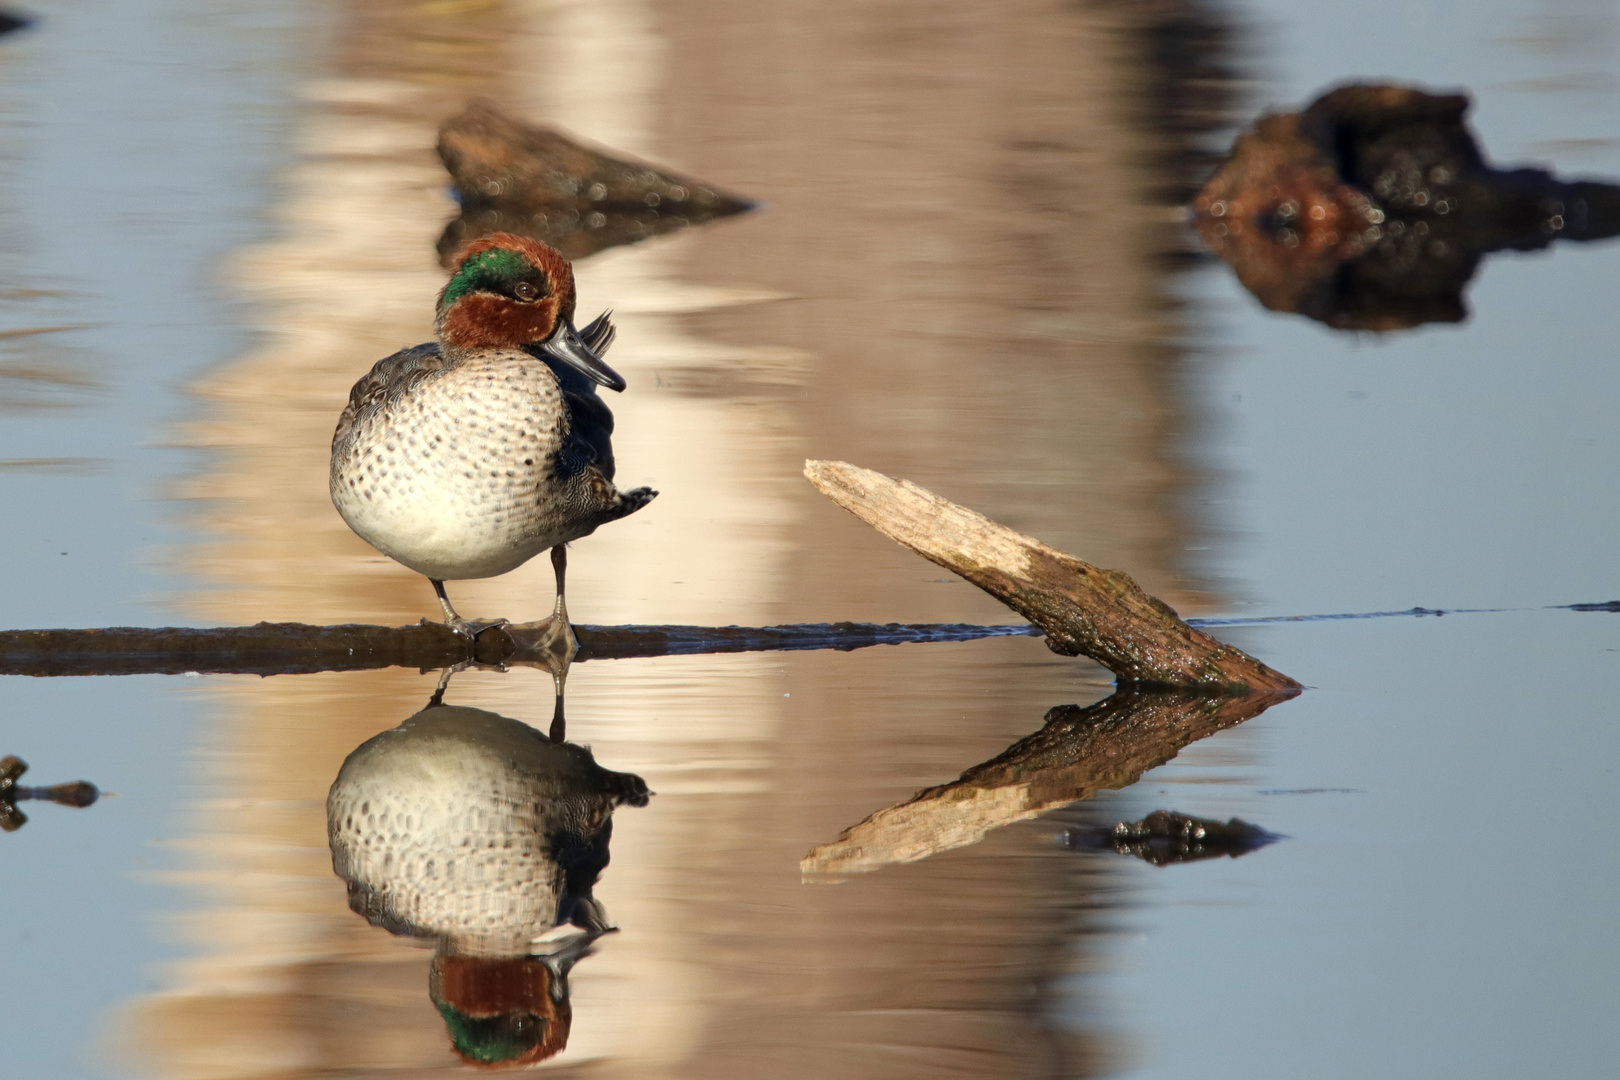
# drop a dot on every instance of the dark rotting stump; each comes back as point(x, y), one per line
point(1372, 208)
point(513, 177)
point(78, 793)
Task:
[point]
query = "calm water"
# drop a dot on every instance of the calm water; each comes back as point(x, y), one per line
point(957, 277)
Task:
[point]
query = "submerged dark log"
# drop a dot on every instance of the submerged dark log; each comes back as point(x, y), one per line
point(625, 642)
point(510, 177)
point(1372, 209)
point(261, 649)
point(1165, 837)
point(297, 648)
point(1079, 752)
point(1102, 614)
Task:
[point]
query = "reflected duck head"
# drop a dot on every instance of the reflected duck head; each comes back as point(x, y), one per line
point(503, 1013)
point(508, 292)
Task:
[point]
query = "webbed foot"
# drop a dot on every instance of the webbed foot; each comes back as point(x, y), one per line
point(471, 628)
point(468, 628)
point(557, 643)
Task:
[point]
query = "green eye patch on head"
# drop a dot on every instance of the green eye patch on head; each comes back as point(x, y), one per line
point(494, 1039)
point(495, 270)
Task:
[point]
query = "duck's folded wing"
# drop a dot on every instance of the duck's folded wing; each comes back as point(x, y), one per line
point(389, 377)
point(590, 421)
point(590, 434)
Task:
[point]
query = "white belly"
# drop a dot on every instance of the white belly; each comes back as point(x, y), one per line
point(454, 480)
point(431, 529)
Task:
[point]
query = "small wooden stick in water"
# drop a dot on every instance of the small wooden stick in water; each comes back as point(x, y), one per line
point(78, 793)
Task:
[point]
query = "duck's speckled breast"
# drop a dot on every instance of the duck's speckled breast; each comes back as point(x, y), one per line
point(452, 475)
point(442, 833)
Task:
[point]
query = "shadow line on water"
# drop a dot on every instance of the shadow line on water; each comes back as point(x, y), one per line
point(1407, 613)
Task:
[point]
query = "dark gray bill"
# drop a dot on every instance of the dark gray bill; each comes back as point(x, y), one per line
point(567, 346)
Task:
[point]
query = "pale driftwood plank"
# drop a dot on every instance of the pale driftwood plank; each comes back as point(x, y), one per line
point(1102, 614)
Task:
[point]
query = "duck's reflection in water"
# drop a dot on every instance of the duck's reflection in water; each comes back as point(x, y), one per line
point(485, 836)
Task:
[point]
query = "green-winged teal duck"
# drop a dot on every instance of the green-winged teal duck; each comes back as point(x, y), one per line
point(467, 456)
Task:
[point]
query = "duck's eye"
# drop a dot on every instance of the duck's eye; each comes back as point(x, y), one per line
point(526, 291)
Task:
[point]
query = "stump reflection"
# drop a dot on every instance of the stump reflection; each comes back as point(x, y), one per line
point(1373, 207)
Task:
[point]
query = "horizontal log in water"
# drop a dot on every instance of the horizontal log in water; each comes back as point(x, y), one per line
point(1079, 752)
point(1102, 614)
point(261, 649)
point(299, 648)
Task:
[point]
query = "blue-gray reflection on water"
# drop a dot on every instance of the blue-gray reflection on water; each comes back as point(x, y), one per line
point(139, 151)
point(1451, 916)
point(143, 139)
point(1454, 916)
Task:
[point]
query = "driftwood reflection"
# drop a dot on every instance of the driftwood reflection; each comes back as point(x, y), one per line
point(1079, 752)
point(1372, 208)
point(1165, 837)
point(299, 648)
point(481, 834)
point(78, 793)
point(509, 177)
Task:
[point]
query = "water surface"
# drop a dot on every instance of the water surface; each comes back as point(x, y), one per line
point(960, 276)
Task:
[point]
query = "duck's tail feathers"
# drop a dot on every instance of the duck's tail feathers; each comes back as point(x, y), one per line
point(598, 333)
point(631, 501)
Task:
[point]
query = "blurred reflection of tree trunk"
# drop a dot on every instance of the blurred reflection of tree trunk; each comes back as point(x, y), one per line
point(960, 276)
point(969, 205)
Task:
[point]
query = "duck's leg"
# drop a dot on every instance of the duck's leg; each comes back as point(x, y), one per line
point(559, 643)
point(444, 682)
point(468, 630)
point(559, 723)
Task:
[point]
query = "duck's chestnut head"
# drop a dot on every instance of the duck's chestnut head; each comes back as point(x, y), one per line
point(501, 1013)
point(509, 291)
